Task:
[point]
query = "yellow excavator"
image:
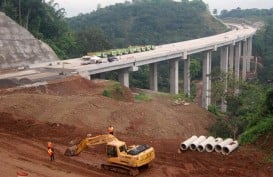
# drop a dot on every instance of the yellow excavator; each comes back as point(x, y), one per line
point(121, 159)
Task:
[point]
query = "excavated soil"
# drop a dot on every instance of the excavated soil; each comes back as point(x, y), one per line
point(64, 111)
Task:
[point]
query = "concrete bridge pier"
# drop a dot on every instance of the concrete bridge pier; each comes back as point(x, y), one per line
point(231, 58)
point(187, 76)
point(245, 58)
point(123, 76)
point(224, 69)
point(174, 77)
point(85, 75)
point(249, 54)
point(206, 92)
point(238, 50)
point(153, 77)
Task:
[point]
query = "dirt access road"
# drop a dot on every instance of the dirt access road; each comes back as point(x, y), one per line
point(64, 111)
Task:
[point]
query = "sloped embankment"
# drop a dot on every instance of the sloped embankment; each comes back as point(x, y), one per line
point(19, 47)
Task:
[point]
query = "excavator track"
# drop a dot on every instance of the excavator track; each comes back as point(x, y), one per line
point(120, 169)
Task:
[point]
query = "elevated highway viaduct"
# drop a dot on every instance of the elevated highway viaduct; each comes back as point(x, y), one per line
point(235, 49)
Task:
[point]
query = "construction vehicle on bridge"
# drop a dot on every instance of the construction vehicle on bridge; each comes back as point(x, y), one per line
point(122, 159)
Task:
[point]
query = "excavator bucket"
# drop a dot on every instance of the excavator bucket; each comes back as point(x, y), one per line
point(71, 151)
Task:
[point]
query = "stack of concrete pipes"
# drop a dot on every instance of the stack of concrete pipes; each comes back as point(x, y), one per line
point(209, 144)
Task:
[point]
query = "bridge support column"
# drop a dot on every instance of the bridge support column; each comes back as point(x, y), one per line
point(245, 58)
point(153, 77)
point(249, 50)
point(123, 76)
point(231, 58)
point(85, 75)
point(174, 78)
point(224, 69)
point(206, 92)
point(237, 65)
point(187, 76)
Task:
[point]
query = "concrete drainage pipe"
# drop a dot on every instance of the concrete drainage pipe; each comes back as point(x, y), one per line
point(218, 147)
point(230, 147)
point(194, 144)
point(210, 146)
point(201, 147)
point(185, 145)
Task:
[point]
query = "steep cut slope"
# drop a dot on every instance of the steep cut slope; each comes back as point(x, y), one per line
point(19, 48)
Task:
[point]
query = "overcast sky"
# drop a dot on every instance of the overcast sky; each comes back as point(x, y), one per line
point(74, 7)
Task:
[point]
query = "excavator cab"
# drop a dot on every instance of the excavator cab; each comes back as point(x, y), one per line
point(135, 156)
point(113, 151)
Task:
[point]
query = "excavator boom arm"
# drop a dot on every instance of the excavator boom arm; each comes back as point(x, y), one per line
point(89, 141)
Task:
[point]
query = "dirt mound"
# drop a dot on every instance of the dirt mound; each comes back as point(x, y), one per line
point(64, 111)
point(23, 147)
point(30, 128)
point(69, 86)
point(77, 101)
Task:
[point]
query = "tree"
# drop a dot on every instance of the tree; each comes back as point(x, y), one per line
point(91, 40)
point(9, 8)
point(268, 105)
point(195, 68)
point(224, 12)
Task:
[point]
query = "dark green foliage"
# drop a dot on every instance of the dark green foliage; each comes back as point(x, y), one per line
point(244, 109)
point(115, 91)
point(195, 68)
point(91, 40)
point(9, 8)
point(214, 109)
point(247, 13)
point(221, 129)
point(150, 22)
point(263, 127)
point(140, 78)
point(228, 127)
point(106, 93)
point(268, 106)
point(266, 71)
point(121, 25)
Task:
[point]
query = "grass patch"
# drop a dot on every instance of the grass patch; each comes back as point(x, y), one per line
point(214, 109)
point(270, 158)
point(106, 93)
point(182, 96)
point(114, 91)
point(253, 133)
point(143, 97)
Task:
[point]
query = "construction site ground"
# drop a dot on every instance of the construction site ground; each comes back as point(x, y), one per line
point(64, 111)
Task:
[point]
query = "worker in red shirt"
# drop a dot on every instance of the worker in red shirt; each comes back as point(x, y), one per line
point(111, 130)
point(50, 150)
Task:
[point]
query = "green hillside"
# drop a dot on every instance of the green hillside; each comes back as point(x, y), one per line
point(150, 22)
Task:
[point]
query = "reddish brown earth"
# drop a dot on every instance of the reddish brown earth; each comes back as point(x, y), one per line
point(65, 111)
